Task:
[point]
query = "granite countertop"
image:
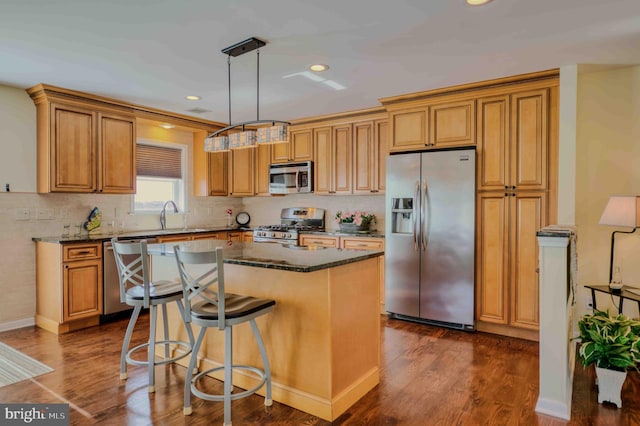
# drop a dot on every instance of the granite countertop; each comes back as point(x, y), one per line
point(336, 233)
point(151, 233)
point(271, 255)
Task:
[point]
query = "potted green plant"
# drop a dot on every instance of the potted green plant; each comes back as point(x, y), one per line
point(613, 345)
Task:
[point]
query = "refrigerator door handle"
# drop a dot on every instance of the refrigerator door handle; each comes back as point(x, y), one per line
point(425, 206)
point(414, 213)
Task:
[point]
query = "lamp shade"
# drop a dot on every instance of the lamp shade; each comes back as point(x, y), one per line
point(622, 211)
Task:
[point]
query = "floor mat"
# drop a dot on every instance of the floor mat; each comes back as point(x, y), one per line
point(16, 366)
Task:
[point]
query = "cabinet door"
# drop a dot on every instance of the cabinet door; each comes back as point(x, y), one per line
point(366, 243)
point(492, 258)
point(247, 237)
point(527, 217)
point(529, 139)
point(319, 240)
point(263, 161)
point(241, 182)
point(235, 236)
point(117, 154)
point(452, 124)
point(408, 129)
point(73, 149)
point(381, 151)
point(218, 173)
point(493, 143)
point(363, 158)
point(341, 158)
point(280, 151)
point(301, 148)
point(82, 289)
point(323, 163)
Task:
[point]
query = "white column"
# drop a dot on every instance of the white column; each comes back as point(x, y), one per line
point(557, 350)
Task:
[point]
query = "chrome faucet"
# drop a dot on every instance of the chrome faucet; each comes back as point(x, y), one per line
point(163, 214)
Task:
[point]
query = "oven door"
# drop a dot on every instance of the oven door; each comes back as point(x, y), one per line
point(290, 178)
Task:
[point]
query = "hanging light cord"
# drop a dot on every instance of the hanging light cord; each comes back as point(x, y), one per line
point(257, 120)
point(229, 84)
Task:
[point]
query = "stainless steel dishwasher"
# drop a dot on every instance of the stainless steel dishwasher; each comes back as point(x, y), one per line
point(111, 304)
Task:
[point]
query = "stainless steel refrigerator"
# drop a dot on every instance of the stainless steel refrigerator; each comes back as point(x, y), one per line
point(430, 235)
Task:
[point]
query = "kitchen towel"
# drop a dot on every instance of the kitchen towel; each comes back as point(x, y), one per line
point(16, 366)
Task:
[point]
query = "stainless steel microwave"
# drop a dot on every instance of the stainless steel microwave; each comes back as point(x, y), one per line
point(291, 178)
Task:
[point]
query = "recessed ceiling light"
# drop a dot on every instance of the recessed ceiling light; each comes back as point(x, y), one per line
point(167, 126)
point(477, 2)
point(192, 97)
point(319, 67)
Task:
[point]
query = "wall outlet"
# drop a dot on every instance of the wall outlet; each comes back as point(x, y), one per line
point(22, 214)
point(45, 214)
point(589, 302)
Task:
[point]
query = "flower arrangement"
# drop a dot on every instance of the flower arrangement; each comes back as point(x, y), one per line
point(229, 212)
point(357, 217)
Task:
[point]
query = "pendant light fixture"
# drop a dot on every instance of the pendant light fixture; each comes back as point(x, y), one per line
point(246, 138)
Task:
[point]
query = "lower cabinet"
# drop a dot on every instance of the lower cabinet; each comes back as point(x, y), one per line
point(351, 243)
point(507, 263)
point(68, 286)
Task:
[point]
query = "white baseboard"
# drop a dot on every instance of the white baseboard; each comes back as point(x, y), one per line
point(12, 325)
point(553, 408)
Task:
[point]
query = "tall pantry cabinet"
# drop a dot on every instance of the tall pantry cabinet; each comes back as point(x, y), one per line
point(516, 143)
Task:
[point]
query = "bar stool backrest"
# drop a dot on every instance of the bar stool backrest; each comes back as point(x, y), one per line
point(133, 267)
point(207, 284)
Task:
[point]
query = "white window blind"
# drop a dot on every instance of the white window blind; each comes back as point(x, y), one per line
point(158, 161)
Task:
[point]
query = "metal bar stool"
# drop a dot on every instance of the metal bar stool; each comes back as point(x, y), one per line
point(138, 291)
point(207, 305)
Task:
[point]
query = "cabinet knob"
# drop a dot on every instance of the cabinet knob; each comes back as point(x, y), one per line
point(506, 187)
point(506, 194)
point(66, 266)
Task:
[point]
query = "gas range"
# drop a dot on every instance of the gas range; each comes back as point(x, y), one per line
point(293, 221)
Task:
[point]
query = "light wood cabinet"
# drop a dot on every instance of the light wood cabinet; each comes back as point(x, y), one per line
point(83, 149)
point(333, 165)
point(369, 156)
point(210, 169)
point(319, 240)
point(242, 172)
point(235, 236)
point(369, 243)
point(217, 235)
point(507, 270)
point(299, 148)
point(433, 125)
point(263, 163)
point(68, 286)
point(247, 237)
point(513, 141)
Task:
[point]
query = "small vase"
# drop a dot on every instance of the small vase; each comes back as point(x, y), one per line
point(610, 385)
point(229, 221)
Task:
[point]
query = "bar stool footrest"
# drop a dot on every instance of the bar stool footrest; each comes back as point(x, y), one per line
point(181, 343)
point(218, 397)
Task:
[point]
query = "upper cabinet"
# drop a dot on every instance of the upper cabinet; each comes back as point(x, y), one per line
point(87, 143)
point(210, 169)
point(370, 156)
point(513, 141)
point(84, 149)
point(433, 125)
point(241, 173)
point(299, 148)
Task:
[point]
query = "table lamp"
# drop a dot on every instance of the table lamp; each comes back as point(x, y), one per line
point(621, 210)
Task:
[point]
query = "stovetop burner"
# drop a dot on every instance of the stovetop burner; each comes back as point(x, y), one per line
point(293, 220)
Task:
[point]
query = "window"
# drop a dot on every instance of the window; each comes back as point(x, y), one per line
point(160, 171)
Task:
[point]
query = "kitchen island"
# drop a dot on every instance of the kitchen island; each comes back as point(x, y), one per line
point(322, 338)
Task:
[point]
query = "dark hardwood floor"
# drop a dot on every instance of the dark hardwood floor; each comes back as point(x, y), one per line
point(430, 376)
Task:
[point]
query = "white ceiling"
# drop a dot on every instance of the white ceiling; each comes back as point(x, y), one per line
point(154, 52)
